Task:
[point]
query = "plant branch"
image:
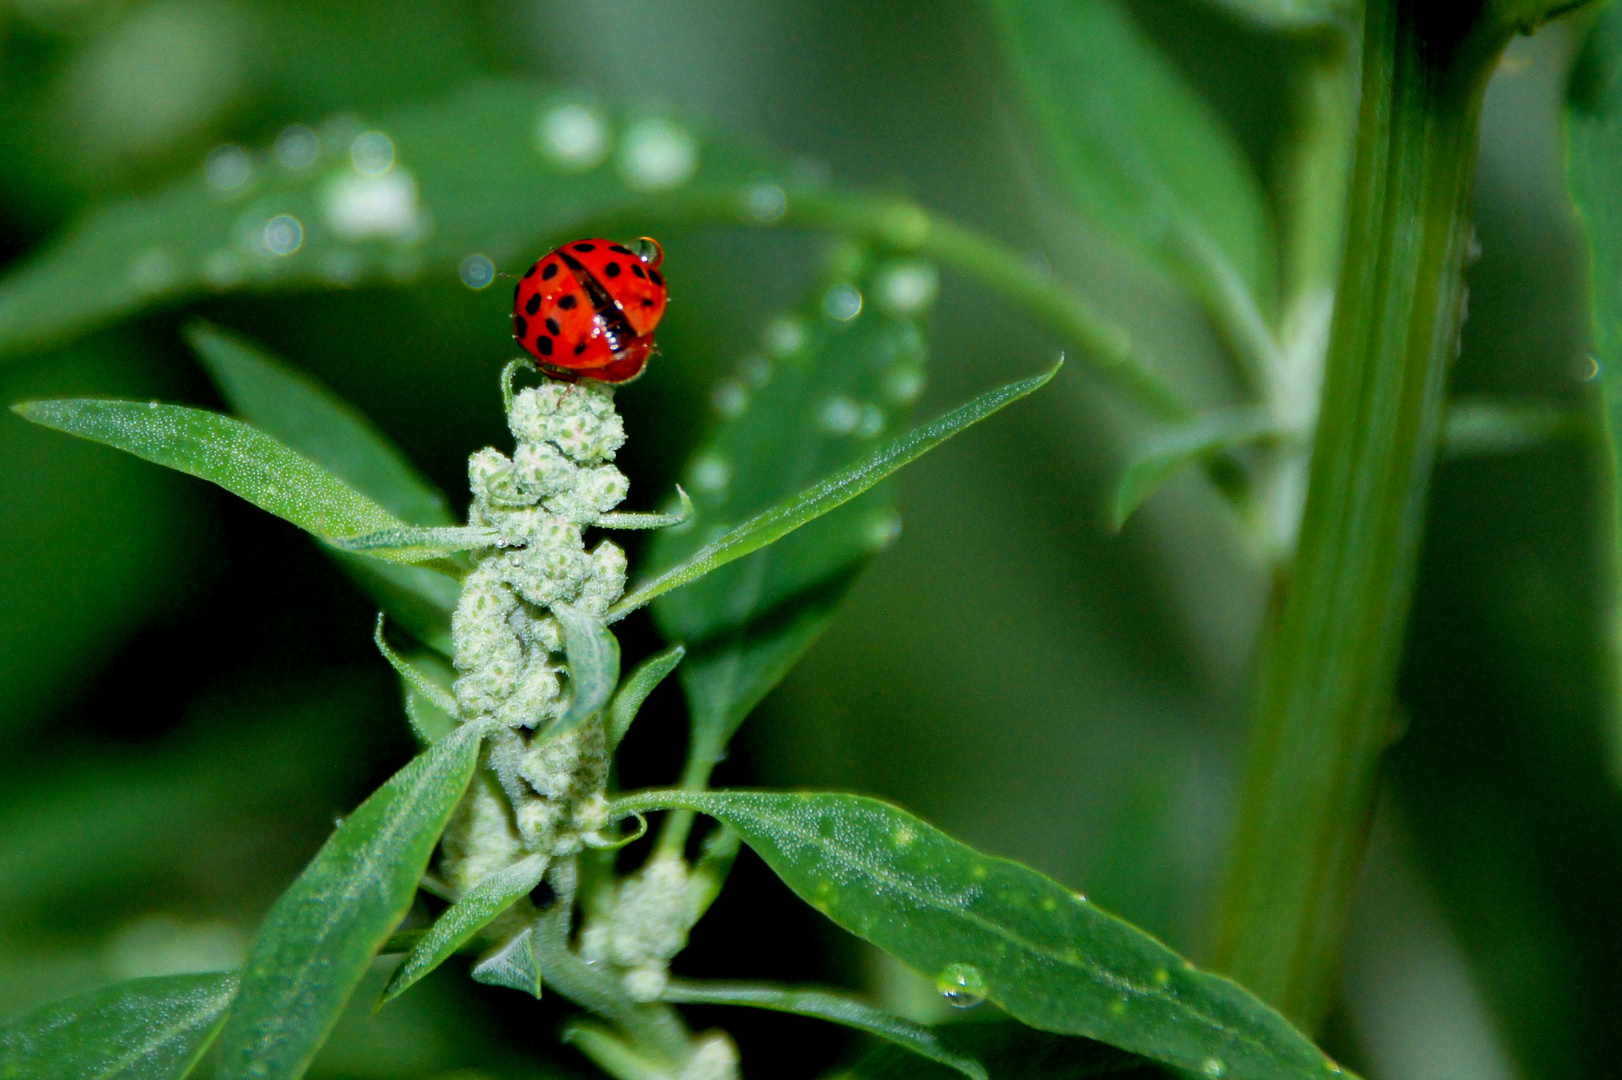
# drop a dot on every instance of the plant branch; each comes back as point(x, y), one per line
point(1331, 657)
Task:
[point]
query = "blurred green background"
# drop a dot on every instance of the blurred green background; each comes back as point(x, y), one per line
point(189, 695)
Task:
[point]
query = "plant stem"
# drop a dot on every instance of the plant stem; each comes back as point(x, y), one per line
point(1330, 660)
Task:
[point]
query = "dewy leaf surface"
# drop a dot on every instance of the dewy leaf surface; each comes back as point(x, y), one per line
point(819, 395)
point(226, 451)
point(1136, 149)
point(143, 1029)
point(321, 936)
point(1046, 955)
point(306, 416)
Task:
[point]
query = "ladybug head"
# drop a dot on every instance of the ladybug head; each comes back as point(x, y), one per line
point(648, 250)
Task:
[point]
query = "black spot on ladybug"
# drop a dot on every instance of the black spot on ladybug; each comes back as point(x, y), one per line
point(531, 271)
point(637, 270)
point(646, 302)
point(520, 327)
point(653, 275)
point(550, 272)
point(580, 348)
point(515, 293)
point(534, 304)
point(543, 345)
point(621, 248)
point(612, 269)
point(585, 247)
point(552, 326)
point(568, 301)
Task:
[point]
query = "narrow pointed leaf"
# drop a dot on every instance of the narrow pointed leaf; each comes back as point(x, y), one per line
point(237, 456)
point(513, 965)
point(1475, 427)
point(838, 489)
point(302, 414)
point(1158, 458)
point(827, 1005)
point(430, 721)
point(1045, 954)
point(594, 667)
point(465, 918)
point(416, 678)
point(143, 1029)
point(635, 689)
point(411, 544)
point(322, 935)
point(1138, 151)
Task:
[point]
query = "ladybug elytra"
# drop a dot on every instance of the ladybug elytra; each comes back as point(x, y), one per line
point(588, 309)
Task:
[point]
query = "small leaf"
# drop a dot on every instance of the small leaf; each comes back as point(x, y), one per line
point(409, 544)
point(825, 1005)
point(594, 667)
point(628, 699)
point(232, 454)
point(143, 1029)
point(512, 965)
point(436, 695)
point(306, 416)
point(1137, 150)
point(429, 721)
point(1012, 1052)
point(1002, 931)
point(1160, 456)
point(682, 514)
point(459, 923)
point(1477, 426)
point(322, 935)
point(773, 524)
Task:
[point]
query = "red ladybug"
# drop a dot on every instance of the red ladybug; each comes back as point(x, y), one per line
point(588, 309)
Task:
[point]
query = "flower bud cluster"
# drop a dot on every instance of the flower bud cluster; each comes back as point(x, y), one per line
point(508, 646)
point(645, 925)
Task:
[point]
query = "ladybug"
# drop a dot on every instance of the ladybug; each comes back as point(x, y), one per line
point(588, 309)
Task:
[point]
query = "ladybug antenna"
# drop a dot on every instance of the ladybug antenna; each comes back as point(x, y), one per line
point(648, 250)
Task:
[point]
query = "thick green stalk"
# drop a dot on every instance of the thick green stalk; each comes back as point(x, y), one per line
point(1323, 712)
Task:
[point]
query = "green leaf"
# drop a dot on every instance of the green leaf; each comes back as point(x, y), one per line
point(323, 933)
point(628, 699)
point(143, 1029)
point(1011, 1052)
point(306, 416)
point(1136, 149)
point(1163, 453)
point(440, 697)
point(991, 927)
point(416, 544)
point(232, 454)
point(512, 965)
point(594, 667)
point(472, 913)
point(430, 720)
point(1478, 426)
point(771, 525)
point(827, 1005)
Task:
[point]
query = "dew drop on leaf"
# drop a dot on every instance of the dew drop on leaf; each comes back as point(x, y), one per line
point(961, 985)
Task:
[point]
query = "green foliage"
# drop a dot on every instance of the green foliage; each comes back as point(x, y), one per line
point(319, 939)
point(635, 689)
point(1161, 455)
point(594, 668)
point(988, 928)
point(833, 1007)
point(145, 1029)
point(1013, 1052)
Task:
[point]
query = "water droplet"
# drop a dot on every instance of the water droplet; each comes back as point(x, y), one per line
point(843, 302)
point(882, 530)
point(477, 272)
point(573, 137)
point(765, 203)
point(870, 423)
point(755, 371)
point(1080, 898)
point(296, 148)
point(902, 385)
point(784, 337)
point(838, 416)
point(906, 288)
point(282, 235)
point(711, 473)
point(730, 398)
point(1588, 369)
point(372, 153)
point(1334, 1067)
point(657, 154)
point(1213, 1067)
point(364, 207)
point(227, 167)
point(962, 985)
point(903, 836)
